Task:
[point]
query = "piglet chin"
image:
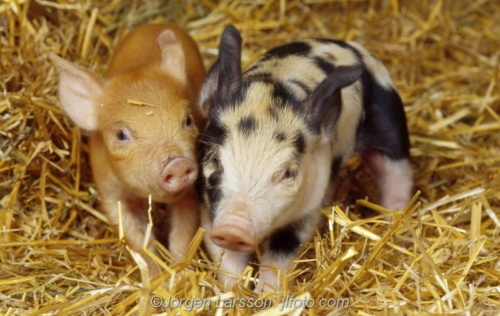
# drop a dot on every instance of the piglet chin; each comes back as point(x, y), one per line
point(234, 233)
point(178, 174)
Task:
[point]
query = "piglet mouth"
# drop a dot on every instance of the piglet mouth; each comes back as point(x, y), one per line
point(234, 233)
point(178, 174)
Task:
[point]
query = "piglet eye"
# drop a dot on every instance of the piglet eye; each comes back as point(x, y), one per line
point(189, 121)
point(290, 173)
point(121, 135)
point(216, 162)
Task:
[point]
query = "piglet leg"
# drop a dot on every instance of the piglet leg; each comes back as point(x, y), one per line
point(134, 221)
point(394, 179)
point(282, 248)
point(275, 261)
point(184, 223)
point(232, 264)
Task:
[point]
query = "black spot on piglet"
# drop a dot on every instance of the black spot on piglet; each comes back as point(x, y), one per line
point(279, 136)
point(324, 65)
point(295, 48)
point(247, 125)
point(285, 240)
point(300, 143)
point(336, 165)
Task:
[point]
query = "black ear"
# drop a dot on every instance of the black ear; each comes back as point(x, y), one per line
point(223, 80)
point(323, 106)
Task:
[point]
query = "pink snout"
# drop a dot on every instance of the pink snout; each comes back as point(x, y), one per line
point(234, 233)
point(178, 173)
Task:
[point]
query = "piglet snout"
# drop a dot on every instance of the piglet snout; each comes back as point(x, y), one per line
point(178, 174)
point(233, 234)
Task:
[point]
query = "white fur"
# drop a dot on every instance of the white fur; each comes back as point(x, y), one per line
point(343, 56)
point(344, 138)
point(374, 66)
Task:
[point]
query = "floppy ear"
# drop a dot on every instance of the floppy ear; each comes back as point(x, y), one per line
point(78, 91)
point(172, 55)
point(223, 79)
point(323, 106)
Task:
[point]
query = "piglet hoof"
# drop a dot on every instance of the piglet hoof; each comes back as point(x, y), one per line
point(233, 238)
point(179, 173)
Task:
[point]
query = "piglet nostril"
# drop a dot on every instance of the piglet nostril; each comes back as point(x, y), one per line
point(168, 179)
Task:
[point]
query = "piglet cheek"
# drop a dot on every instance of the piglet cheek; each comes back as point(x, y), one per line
point(178, 174)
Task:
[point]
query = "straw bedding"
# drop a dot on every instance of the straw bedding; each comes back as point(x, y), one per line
point(58, 256)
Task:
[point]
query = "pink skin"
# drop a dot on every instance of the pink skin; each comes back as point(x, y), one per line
point(183, 212)
point(178, 173)
point(394, 180)
point(234, 232)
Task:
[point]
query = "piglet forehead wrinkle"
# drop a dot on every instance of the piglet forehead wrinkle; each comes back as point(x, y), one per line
point(178, 174)
point(169, 148)
point(237, 220)
point(237, 208)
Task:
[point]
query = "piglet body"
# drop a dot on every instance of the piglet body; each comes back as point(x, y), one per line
point(143, 126)
point(277, 136)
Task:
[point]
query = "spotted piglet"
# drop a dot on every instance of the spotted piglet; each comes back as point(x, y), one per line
point(143, 118)
point(277, 137)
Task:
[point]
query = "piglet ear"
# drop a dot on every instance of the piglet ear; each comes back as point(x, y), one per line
point(209, 88)
point(78, 91)
point(172, 55)
point(230, 63)
point(325, 103)
point(223, 80)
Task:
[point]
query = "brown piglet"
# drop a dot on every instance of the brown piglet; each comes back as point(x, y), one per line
point(143, 123)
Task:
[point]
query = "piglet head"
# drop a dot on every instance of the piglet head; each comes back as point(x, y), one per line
point(142, 118)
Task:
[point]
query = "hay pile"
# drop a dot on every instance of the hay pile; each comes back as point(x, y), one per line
point(57, 256)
